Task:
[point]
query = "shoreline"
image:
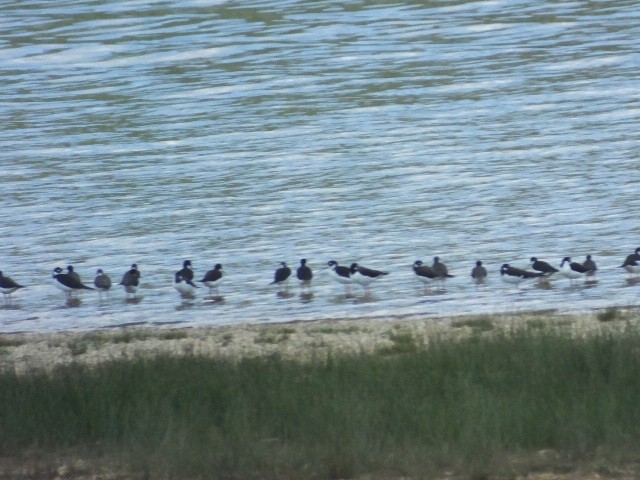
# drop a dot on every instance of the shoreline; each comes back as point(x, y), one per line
point(300, 340)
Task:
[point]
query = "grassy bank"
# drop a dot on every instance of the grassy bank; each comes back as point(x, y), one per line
point(469, 406)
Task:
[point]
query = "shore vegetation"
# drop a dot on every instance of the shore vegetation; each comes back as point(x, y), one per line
point(502, 405)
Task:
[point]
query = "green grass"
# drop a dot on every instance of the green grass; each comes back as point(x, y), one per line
point(227, 338)
point(337, 330)
point(278, 336)
point(10, 341)
point(7, 341)
point(610, 314)
point(172, 335)
point(461, 406)
point(481, 324)
point(80, 345)
point(403, 342)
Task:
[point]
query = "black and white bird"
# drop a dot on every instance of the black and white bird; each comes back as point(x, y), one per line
point(213, 278)
point(632, 262)
point(281, 275)
point(365, 276)
point(102, 281)
point(590, 265)
point(515, 276)
point(68, 282)
point(183, 281)
point(340, 274)
point(572, 270)
point(131, 280)
point(542, 266)
point(479, 273)
point(304, 273)
point(424, 273)
point(8, 286)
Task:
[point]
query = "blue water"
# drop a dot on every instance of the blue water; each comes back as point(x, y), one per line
point(250, 133)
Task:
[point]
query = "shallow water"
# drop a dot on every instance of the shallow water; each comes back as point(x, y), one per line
point(254, 133)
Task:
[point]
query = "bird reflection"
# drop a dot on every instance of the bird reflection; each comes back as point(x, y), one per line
point(73, 302)
point(132, 300)
point(184, 306)
point(214, 299)
point(284, 294)
point(10, 306)
point(543, 284)
point(631, 281)
point(306, 297)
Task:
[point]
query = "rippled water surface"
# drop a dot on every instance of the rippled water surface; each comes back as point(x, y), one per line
point(250, 133)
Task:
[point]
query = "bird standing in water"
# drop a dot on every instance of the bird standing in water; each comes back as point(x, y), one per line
point(131, 280)
point(365, 276)
point(68, 282)
point(304, 274)
point(183, 281)
point(515, 276)
point(479, 273)
point(8, 286)
point(590, 265)
point(102, 281)
point(542, 266)
point(632, 263)
point(441, 270)
point(340, 274)
point(281, 276)
point(425, 273)
point(213, 277)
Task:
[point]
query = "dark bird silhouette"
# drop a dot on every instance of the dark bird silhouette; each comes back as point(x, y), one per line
point(440, 268)
point(72, 273)
point(68, 282)
point(282, 274)
point(590, 265)
point(304, 273)
point(572, 270)
point(183, 281)
point(515, 276)
point(131, 279)
point(479, 273)
point(213, 277)
point(8, 286)
point(102, 281)
point(425, 273)
point(632, 262)
point(365, 276)
point(340, 274)
point(542, 266)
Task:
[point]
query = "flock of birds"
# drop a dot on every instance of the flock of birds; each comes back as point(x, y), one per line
point(185, 283)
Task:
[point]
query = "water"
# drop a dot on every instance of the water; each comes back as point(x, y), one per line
point(250, 133)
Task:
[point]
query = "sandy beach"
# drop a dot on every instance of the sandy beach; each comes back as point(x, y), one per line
point(299, 340)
